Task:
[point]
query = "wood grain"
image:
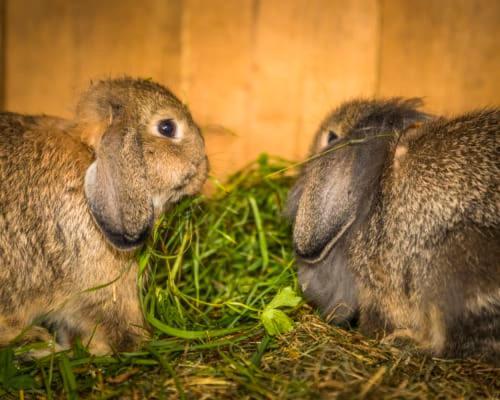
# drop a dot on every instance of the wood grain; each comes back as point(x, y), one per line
point(114, 40)
point(446, 51)
point(55, 47)
point(39, 66)
point(216, 73)
point(309, 56)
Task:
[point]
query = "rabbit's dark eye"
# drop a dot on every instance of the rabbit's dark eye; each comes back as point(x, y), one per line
point(332, 137)
point(167, 128)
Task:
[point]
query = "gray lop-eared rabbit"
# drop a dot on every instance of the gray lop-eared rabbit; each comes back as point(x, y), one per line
point(396, 219)
point(77, 197)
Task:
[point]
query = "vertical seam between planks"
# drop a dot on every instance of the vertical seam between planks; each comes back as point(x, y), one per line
point(184, 51)
point(253, 68)
point(3, 51)
point(379, 55)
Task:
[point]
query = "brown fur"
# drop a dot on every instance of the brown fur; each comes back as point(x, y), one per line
point(413, 218)
point(64, 230)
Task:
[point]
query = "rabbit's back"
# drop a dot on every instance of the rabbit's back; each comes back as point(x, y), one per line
point(451, 169)
point(444, 181)
point(41, 203)
point(447, 183)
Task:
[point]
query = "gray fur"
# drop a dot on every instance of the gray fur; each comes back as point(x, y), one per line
point(413, 217)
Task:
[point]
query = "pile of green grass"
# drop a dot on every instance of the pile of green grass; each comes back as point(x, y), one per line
point(219, 288)
point(215, 264)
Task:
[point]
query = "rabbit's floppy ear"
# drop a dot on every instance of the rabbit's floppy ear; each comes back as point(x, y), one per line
point(116, 186)
point(337, 192)
point(324, 211)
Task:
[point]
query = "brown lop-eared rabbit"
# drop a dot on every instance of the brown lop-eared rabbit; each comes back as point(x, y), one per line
point(396, 219)
point(77, 197)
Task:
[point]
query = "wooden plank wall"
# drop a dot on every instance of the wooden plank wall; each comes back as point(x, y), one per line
point(447, 51)
point(258, 75)
point(2, 52)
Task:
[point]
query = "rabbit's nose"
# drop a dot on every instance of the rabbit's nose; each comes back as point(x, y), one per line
point(137, 237)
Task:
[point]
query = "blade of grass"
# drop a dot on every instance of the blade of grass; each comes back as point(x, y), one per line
point(260, 232)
